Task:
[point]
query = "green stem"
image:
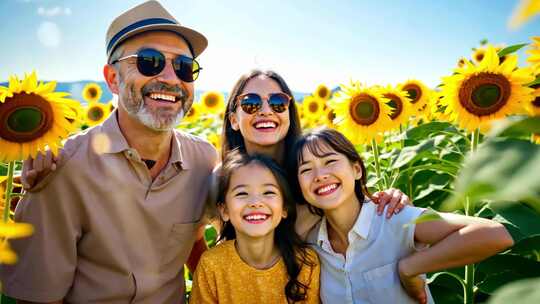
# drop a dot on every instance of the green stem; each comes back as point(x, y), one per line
point(402, 137)
point(469, 211)
point(377, 165)
point(9, 189)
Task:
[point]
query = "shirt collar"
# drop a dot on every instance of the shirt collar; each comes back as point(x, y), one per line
point(361, 227)
point(115, 141)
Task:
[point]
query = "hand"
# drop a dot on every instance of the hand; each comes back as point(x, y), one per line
point(36, 169)
point(394, 198)
point(415, 286)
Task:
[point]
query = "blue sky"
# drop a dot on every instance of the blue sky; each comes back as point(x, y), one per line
point(308, 42)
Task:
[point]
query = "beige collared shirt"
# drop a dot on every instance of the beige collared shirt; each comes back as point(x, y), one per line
point(105, 232)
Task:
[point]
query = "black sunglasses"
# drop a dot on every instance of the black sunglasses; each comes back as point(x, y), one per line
point(251, 103)
point(150, 62)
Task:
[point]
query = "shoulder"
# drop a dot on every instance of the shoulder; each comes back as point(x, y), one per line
point(196, 147)
point(218, 254)
point(405, 216)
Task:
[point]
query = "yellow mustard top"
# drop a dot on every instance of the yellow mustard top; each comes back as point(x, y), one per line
point(222, 276)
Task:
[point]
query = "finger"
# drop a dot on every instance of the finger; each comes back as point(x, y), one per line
point(29, 180)
point(402, 203)
point(47, 160)
point(394, 201)
point(27, 166)
point(406, 200)
point(38, 162)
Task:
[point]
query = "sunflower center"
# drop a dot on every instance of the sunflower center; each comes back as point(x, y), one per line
point(191, 112)
point(25, 117)
point(323, 92)
point(313, 107)
point(484, 93)
point(536, 102)
point(211, 101)
point(364, 109)
point(95, 113)
point(414, 91)
point(331, 116)
point(92, 92)
point(396, 104)
point(479, 56)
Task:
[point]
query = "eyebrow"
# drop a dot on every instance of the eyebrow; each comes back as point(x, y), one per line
point(244, 185)
point(320, 156)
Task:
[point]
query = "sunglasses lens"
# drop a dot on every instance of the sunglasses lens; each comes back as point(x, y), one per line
point(278, 102)
point(251, 103)
point(187, 69)
point(150, 62)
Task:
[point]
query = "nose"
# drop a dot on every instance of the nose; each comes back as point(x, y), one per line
point(320, 175)
point(168, 75)
point(255, 203)
point(265, 109)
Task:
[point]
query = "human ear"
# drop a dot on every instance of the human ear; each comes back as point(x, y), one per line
point(111, 77)
point(223, 212)
point(234, 121)
point(284, 213)
point(357, 170)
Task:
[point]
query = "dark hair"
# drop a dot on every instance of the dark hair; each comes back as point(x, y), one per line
point(315, 141)
point(233, 139)
point(292, 248)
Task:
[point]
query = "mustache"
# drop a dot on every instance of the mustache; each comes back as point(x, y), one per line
point(163, 87)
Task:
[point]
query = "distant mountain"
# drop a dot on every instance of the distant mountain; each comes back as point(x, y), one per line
point(75, 89)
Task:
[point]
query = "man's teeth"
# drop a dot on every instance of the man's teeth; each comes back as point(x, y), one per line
point(157, 96)
point(326, 188)
point(256, 217)
point(265, 124)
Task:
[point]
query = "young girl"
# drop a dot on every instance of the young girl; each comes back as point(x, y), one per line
point(364, 257)
point(261, 259)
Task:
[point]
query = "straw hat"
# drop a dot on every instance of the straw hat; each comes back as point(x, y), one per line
point(151, 16)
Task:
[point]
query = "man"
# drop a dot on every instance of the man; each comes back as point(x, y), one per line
point(117, 219)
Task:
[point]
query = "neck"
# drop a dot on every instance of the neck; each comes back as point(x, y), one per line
point(341, 219)
point(275, 152)
point(260, 253)
point(150, 144)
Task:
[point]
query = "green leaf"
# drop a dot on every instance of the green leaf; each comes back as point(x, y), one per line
point(520, 220)
point(527, 245)
point(210, 235)
point(410, 154)
point(511, 49)
point(522, 292)
point(425, 130)
point(535, 82)
point(516, 126)
point(427, 216)
point(500, 170)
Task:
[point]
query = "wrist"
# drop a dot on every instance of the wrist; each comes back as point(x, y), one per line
point(404, 267)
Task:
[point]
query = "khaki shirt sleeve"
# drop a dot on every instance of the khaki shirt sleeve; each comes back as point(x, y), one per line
point(48, 258)
point(204, 287)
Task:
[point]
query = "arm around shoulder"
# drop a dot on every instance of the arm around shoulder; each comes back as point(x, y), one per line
point(456, 240)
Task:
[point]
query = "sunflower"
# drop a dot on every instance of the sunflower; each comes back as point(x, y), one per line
point(323, 92)
point(313, 108)
point(400, 104)
point(478, 94)
point(92, 92)
point(32, 118)
point(212, 102)
point(193, 114)
point(96, 113)
point(214, 139)
point(329, 116)
point(534, 55)
point(419, 95)
point(525, 10)
point(478, 54)
point(461, 62)
point(11, 230)
point(534, 106)
point(362, 113)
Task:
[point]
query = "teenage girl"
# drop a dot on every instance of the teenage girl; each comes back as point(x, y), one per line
point(260, 259)
point(367, 258)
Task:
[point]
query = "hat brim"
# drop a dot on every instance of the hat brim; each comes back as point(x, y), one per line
point(197, 41)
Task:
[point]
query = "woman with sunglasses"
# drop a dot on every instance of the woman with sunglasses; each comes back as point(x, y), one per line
point(261, 117)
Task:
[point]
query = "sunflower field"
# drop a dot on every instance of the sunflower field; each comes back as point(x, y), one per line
point(471, 146)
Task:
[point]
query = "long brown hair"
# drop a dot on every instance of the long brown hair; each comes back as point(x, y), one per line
point(233, 139)
point(314, 142)
point(292, 249)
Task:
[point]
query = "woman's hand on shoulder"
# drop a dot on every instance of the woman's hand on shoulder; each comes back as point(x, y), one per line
point(394, 198)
